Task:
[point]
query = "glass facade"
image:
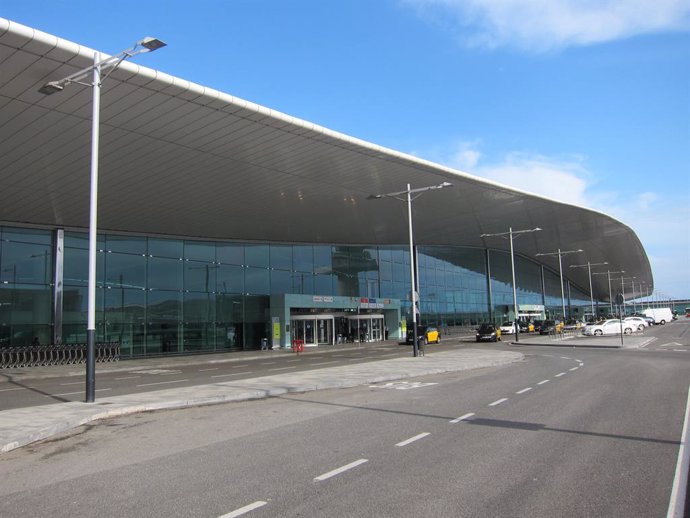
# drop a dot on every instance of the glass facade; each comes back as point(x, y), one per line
point(167, 296)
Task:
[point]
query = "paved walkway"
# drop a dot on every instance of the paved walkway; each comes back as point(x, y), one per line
point(22, 426)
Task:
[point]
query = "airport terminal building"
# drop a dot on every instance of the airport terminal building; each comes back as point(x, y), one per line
point(222, 223)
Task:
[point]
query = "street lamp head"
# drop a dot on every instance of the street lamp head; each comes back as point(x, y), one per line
point(151, 43)
point(444, 184)
point(536, 229)
point(51, 88)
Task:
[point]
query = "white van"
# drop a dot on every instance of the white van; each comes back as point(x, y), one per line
point(660, 315)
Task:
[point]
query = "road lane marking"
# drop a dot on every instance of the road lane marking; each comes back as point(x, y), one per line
point(413, 439)
point(341, 469)
point(574, 368)
point(680, 350)
point(72, 383)
point(543, 381)
point(280, 369)
point(240, 366)
point(16, 388)
point(462, 418)
point(267, 363)
point(244, 510)
point(559, 375)
point(292, 361)
point(524, 390)
point(680, 480)
point(171, 373)
point(161, 383)
point(72, 393)
point(324, 363)
point(233, 374)
point(128, 378)
point(498, 401)
point(565, 357)
point(204, 370)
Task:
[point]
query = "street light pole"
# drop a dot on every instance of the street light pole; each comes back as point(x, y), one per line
point(560, 253)
point(589, 271)
point(414, 296)
point(608, 275)
point(512, 234)
point(109, 64)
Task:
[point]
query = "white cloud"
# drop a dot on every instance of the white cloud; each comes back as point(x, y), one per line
point(660, 221)
point(542, 25)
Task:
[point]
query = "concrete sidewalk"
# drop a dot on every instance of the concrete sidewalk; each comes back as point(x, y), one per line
point(22, 426)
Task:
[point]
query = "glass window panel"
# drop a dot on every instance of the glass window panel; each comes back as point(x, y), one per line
point(257, 281)
point(27, 235)
point(229, 279)
point(199, 307)
point(165, 248)
point(200, 251)
point(323, 284)
point(256, 255)
point(81, 240)
point(322, 259)
point(164, 314)
point(76, 267)
point(25, 304)
point(281, 281)
point(386, 270)
point(302, 282)
point(26, 263)
point(125, 270)
point(281, 257)
point(230, 253)
point(304, 258)
point(199, 276)
point(164, 274)
point(126, 244)
point(74, 304)
point(125, 319)
point(256, 318)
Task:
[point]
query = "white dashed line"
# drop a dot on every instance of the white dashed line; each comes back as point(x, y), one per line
point(559, 375)
point(498, 401)
point(325, 363)
point(565, 357)
point(280, 369)
point(543, 381)
point(462, 418)
point(413, 439)
point(127, 378)
point(244, 510)
point(524, 390)
point(73, 383)
point(574, 368)
point(233, 374)
point(204, 370)
point(11, 389)
point(341, 469)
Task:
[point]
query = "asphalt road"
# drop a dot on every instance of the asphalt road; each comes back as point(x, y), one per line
point(564, 433)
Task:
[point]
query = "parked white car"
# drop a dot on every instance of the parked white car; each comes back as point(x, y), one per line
point(508, 328)
point(609, 327)
point(639, 322)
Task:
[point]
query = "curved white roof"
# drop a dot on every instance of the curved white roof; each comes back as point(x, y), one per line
point(180, 159)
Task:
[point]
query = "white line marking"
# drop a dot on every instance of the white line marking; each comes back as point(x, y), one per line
point(680, 481)
point(170, 373)
point(462, 418)
point(73, 383)
point(524, 390)
point(565, 357)
point(574, 368)
point(204, 370)
point(413, 439)
point(325, 363)
point(543, 381)
point(244, 510)
point(9, 390)
point(161, 383)
point(292, 361)
point(279, 369)
point(341, 469)
point(128, 378)
point(267, 363)
point(240, 366)
point(72, 393)
point(233, 374)
point(559, 375)
point(498, 401)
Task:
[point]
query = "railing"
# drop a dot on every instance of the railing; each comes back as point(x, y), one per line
point(43, 355)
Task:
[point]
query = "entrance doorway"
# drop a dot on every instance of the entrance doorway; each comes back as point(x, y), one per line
point(366, 328)
point(313, 329)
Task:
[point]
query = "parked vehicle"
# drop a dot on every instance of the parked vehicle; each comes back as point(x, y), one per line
point(488, 333)
point(609, 327)
point(525, 327)
point(550, 326)
point(660, 315)
point(640, 322)
point(537, 325)
point(428, 334)
point(571, 325)
point(508, 328)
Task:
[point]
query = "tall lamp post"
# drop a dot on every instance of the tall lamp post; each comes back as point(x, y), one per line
point(409, 198)
point(561, 253)
point(608, 275)
point(513, 234)
point(589, 271)
point(107, 65)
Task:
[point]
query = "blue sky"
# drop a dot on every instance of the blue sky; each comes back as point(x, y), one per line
point(584, 101)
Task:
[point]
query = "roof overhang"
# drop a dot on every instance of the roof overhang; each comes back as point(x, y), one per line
point(180, 159)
